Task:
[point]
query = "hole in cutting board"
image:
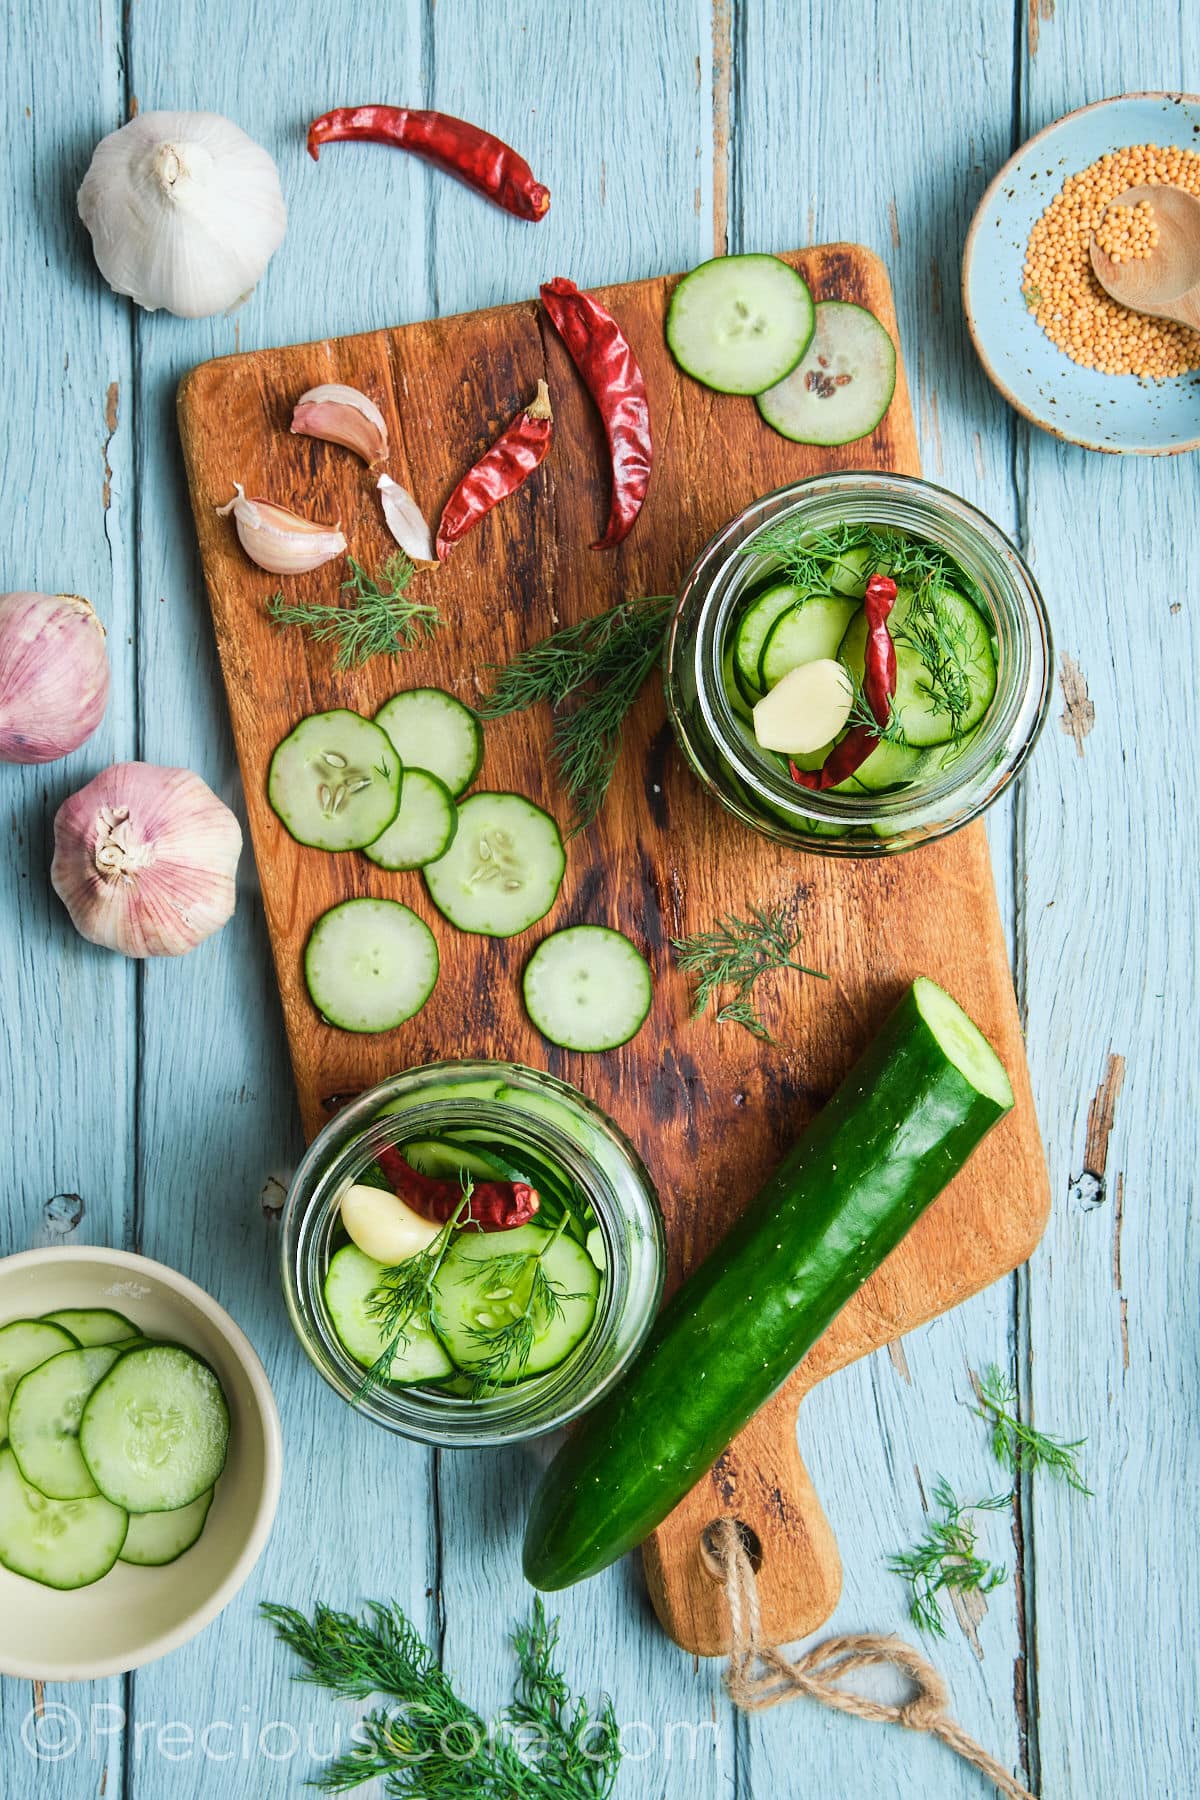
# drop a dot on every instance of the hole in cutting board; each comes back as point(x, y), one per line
point(751, 1544)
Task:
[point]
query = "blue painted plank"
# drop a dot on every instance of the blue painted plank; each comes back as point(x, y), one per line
point(819, 152)
point(356, 1518)
point(68, 1052)
point(1111, 919)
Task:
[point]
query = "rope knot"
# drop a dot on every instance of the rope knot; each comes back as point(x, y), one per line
point(759, 1676)
point(924, 1712)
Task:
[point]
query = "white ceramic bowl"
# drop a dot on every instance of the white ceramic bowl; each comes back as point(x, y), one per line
point(133, 1615)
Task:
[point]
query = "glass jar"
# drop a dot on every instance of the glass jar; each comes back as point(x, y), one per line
point(721, 748)
point(520, 1106)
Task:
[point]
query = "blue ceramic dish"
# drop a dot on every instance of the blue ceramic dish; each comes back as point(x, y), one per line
point(1101, 412)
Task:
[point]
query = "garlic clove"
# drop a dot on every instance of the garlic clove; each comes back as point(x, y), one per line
point(406, 521)
point(806, 709)
point(54, 675)
point(279, 540)
point(383, 1226)
point(145, 859)
point(185, 211)
point(342, 415)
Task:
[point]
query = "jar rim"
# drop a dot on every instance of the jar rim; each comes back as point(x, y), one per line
point(992, 564)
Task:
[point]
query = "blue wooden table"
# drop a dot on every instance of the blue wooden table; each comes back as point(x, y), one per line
point(151, 1107)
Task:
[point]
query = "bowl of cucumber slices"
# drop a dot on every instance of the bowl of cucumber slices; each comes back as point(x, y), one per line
point(858, 664)
point(140, 1462)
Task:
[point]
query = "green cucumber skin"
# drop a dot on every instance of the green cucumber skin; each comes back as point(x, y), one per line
point(901, 1125)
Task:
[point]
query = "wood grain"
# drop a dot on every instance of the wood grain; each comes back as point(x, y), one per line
point(711, 1108)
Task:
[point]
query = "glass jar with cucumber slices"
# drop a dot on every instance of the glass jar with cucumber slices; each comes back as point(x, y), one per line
point(858, 664)
point(472, 1253)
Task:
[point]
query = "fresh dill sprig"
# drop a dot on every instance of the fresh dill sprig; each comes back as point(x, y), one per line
point(599, 667)
point(735, 953)
point(1017, 1446)
point(862, 713)
point(430, 1745)
point(805, 554)
point(943, 645)
point(945, 1558)
point(506, 1344)
point(401, 1295)
point(380, 619)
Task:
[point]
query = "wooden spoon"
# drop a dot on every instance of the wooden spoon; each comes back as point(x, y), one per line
point(1165, 284)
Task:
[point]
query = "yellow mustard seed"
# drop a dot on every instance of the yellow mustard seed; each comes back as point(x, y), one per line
point(1063, 294)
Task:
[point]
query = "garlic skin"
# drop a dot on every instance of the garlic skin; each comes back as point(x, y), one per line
point(185, 212)
point(54, 675)
point(144, 860)
point(278, 539)
point(406, 521)
point(342, 415)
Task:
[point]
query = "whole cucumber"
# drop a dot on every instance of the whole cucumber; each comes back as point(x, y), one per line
point(900, 1127)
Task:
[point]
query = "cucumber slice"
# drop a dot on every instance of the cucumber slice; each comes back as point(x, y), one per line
point(849, 572)
point(424, 827)
point(918, 703)
point(739, 700)
point(157, 1538)
point(349, 1283)
point(810, 632)
point(431, 730)
point(442, 1159)
point(61, 1543)
point(587, 988)
point(503, 871)
point(43, 1421)
point(739, 323)
point(753, 630)
point(334, 781)
point(370, 964)
point(467, 1307)
point(24, 1343)
point(891, 765)
point(843, 386)
point(93, 1324)
point(155, 1432)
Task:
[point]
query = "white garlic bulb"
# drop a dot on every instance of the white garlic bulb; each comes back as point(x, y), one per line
point(144, 860)
point(185, 212)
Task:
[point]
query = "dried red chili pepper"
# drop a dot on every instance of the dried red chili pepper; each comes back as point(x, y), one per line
point(484, 162)
point(602, 354)
point(493, 1206)
point(499, 472)
point(879, 685)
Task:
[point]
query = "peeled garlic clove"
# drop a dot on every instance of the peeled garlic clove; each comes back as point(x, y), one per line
point(279, 540)
point(806, 709)
point(54, 675)
point(406, 521)
point(144, 860)
point(382, 1225)
point(185, 211)
point(342, 415)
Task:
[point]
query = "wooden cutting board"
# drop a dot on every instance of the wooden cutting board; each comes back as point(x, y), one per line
point(710, 1108)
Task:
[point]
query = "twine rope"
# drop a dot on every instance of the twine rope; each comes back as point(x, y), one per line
point(759, 1676)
